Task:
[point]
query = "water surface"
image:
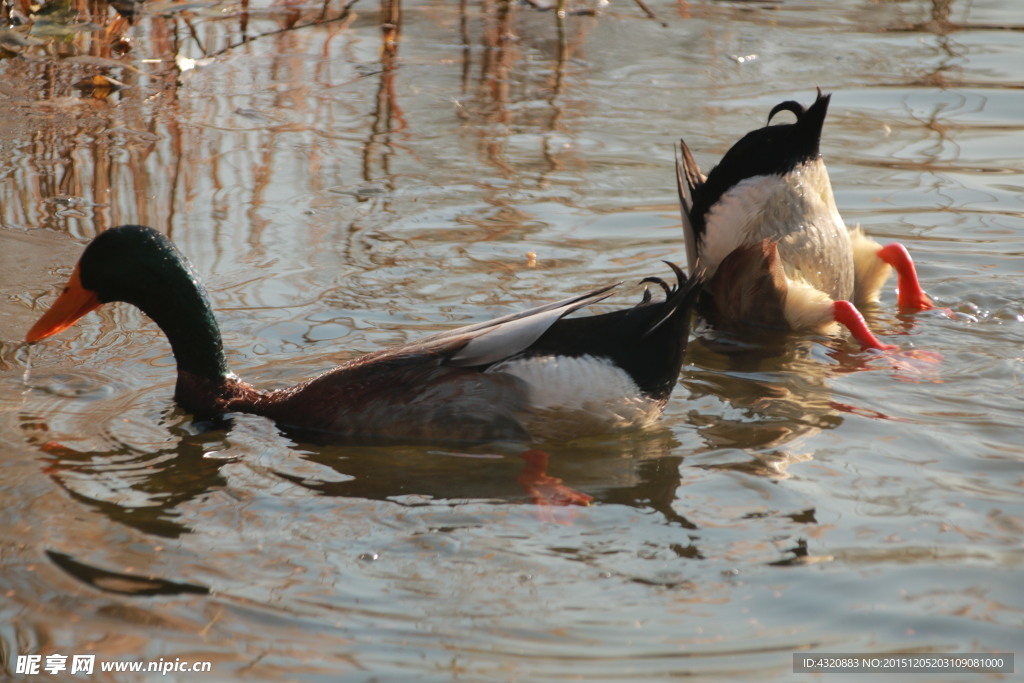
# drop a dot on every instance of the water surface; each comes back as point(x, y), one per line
point(339, 197)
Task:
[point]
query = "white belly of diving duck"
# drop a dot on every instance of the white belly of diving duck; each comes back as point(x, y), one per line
point(798, 211)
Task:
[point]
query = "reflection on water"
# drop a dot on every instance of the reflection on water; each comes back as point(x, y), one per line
point(351, 176)
point(136, 484)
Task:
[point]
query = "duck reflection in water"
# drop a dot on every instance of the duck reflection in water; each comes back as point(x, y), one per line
point(152, 489)
point(640, 470)
point(758, 401)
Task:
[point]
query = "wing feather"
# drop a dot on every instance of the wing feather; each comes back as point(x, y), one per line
point(494, 340)
point(688, 179)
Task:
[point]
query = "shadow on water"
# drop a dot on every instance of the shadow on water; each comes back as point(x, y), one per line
point(120, 582)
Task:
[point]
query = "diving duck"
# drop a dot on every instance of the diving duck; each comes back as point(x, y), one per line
point(764, 226)
point(529, 376)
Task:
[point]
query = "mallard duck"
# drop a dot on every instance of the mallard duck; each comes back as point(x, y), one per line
point(764, 226)
point(530, 376)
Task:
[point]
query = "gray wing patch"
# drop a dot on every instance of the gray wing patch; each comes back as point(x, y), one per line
point(505, 340)
point(505, 337)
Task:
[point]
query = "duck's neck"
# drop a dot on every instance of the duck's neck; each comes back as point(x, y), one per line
point(205, 386)
point(186, 318)
point(177, 302)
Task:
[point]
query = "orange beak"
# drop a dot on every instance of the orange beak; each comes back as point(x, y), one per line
point(74, 302)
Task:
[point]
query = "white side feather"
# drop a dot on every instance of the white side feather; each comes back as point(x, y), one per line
point(591, 394)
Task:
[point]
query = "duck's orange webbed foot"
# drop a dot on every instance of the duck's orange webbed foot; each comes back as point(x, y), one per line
point(910, 361)
point(847, 315)
point(544, 489)
point(909, 294)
